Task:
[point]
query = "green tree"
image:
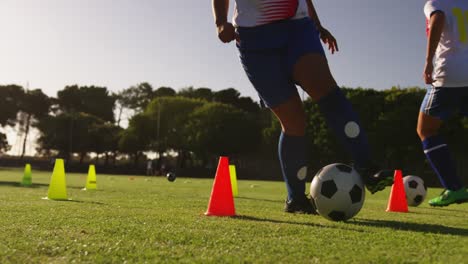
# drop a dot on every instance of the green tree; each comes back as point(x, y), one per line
point(10, 95)
point(34, 105)
point(4, 146)
point(164, 92)
point(68, 134)
point(199, 93)
point(137, 137)
point(55, 134)
point(398, 143)
point(93, 100)
point(232, 97)
point(227, 96)
point(76, 111)
point(220, 129)
point(104, 139)
point(137, 97)
point(169, 116)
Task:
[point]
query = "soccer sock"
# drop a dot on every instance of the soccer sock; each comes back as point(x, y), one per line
point(293, 160)
point(438, 155)
point(341, 117)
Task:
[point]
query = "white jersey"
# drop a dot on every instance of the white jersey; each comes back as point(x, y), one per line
point(251, 13)
point(451, 58)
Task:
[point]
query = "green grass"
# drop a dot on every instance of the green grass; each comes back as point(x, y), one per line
point(148, 220)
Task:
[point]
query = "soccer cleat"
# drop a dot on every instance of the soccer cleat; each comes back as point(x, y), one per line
point(302, 205)
point(376, 181)
point(448, 197)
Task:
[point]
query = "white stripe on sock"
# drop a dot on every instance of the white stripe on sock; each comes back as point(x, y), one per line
point(434, 148)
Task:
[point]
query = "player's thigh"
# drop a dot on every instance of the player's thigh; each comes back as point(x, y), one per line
point(307, 60)
point(267, 71)
point(438, 105)
point(312, 73)
point(441, 102)
point(428, 125)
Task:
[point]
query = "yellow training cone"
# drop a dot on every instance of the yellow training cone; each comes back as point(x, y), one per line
point(91, 180)
point(27, 179)
point(232, 173)
point(58, 186)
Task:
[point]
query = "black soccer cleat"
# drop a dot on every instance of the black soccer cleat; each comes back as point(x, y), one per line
point(376, 180)
point(301, 205)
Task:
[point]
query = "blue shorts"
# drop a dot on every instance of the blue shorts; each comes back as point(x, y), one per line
point(269, 52)
point(442, 102)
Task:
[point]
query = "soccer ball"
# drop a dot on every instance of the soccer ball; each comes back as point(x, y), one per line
point(338, 192)
point(171, 176)
point(415, 190)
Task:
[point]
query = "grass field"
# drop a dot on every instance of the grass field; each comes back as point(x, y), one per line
point(148, 220)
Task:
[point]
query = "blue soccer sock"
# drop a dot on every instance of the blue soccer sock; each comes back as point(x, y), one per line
point(342, 119)
point(293, 160)
point(438, 155)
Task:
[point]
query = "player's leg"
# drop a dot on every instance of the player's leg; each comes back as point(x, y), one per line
point(310, 70)
point(267, 70)
point(438, 105)
point(292, 153)
point(338, 111)
point(313, 74)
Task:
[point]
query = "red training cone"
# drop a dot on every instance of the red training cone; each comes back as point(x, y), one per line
point(397, 201)
point(221, 201)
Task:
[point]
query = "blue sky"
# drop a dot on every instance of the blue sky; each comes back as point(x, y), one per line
point(49, 44)
point(118, 43)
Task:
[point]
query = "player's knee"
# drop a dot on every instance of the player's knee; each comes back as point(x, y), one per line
point(294, 127)
point(420, 133)
point(320, 88)
point(294, 130)
point(327, 88)
point(316, 83)
point(426, 132)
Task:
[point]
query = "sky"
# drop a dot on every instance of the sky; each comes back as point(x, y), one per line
point(49, 44)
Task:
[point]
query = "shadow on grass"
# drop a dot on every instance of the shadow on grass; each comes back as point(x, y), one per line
point(18, 184)
point(75, 201)
point(414, 227)
point(442, 212)
point(446, 209)
point(260, 199)
point(397, 225)
point(87, 202)
point(34, 185)
point(79, 188)
point(274, 221)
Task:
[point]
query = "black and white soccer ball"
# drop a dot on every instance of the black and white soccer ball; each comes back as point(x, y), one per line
point(415, 190)
point(171, 176)
point(338, 192)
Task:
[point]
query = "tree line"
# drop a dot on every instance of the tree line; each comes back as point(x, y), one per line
point(88, 119)
point(196, 125)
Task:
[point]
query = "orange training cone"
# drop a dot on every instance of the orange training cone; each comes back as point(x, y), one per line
point(221, 201)
point(397, 201)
